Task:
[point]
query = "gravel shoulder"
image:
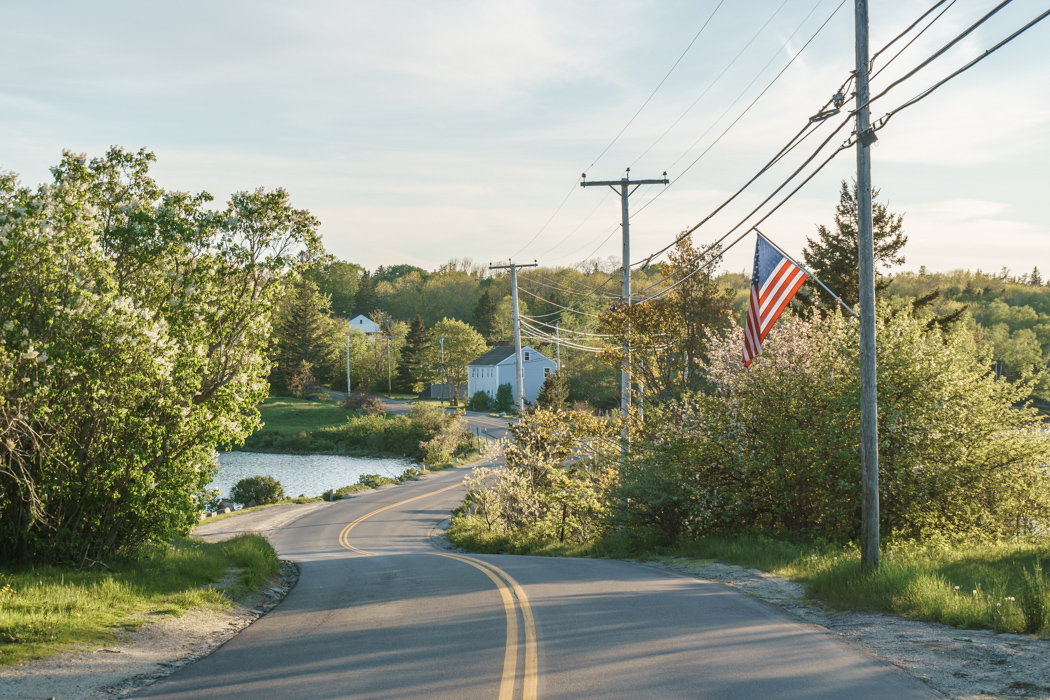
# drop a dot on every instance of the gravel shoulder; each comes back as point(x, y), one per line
point(963, 664)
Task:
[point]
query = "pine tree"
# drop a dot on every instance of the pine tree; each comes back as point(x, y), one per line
point(410, 369)
point(307, 337)
point(554, 394)
point(833, 258)
point(367, 300)
point(484, 316)
point(1035, 279)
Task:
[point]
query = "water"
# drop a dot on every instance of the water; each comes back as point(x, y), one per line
point(309, 474)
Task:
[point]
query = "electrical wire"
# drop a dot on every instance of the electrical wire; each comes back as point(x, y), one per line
point(548, 301)
point(748, 108)
point(578, 227)
point(871, 63)
point(988, 52)
point(631, 120)
point(712, 84)
point(616, 138)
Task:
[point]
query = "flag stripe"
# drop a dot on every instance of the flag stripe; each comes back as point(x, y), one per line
point(769, 295)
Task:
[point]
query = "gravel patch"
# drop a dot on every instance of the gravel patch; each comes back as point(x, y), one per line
point(963, 664)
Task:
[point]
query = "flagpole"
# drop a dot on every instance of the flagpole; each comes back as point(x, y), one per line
point(810, 274)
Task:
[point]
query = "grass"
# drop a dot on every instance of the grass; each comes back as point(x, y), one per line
point(287, 501)
point(46, 609)
point(1001, 587)
point(290, 414)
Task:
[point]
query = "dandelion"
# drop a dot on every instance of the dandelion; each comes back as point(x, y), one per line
point(956, 588)
point(975, 591)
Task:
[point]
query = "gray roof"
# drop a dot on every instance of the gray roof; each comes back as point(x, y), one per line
point(494, 356)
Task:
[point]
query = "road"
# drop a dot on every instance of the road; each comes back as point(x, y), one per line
point(381, 611)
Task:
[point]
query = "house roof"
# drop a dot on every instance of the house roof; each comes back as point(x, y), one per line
point(494, 356)
point(362, 316)
point(500, 354)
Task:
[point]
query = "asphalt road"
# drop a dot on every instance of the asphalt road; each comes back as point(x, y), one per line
point(380, 611)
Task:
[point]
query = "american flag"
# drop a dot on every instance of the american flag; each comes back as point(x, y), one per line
point(775, 280)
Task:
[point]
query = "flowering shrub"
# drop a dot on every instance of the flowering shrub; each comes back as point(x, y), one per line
point(261, 489)
point(133, 325)
point(775, 448)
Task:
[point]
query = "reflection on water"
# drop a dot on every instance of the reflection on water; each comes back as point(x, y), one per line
point(309, 474)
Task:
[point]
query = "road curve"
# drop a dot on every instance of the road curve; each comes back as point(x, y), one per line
point(381, 612)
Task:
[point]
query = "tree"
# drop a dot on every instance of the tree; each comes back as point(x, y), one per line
point(554, 394)
point(134, 324)
point(504, 401)
point(306, 337)
point(367, 300)
point(484, 317)
point(411, 372)
point(338, 281)
point(669, 336)
point(462, 346)
point(1035, 279)
point(833, 258)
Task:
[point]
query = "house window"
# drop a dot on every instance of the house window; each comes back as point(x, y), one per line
point(546, 370)
point(526, 354)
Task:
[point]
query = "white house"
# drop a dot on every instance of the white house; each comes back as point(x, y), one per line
point(365, 324)
point(497, 367)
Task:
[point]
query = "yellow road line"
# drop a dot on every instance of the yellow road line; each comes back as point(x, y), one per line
point(531, 679)
point(343, 536)
point(510, 656)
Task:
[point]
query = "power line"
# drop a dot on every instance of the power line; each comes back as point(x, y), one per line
point(631, 120)
point(913, 39)
point(753, 102)
point(606, 149)
point(573, 232)
point(712, 84)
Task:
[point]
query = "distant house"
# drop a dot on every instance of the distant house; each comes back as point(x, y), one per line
point(497, 367)
point(365, 325)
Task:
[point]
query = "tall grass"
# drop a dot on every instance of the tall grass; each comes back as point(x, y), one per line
point(1001, 587)
point(973, 586)
point(43, 609)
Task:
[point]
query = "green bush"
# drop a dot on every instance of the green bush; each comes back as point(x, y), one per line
point(775, 448)
point(504, 398)
point(133, 333)
point(479, 401)
point(261, 489)
point(374, 481)
point(344, 492)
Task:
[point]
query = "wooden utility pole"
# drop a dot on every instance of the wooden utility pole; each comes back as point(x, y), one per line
point(519, 365)
point(869, 417)
point(624, 184)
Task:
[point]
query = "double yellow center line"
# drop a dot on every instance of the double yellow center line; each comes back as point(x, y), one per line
point(509, 590)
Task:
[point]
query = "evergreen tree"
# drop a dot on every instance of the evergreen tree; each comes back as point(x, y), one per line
point(833, 258)
point(367, 300)
point(307, 338)
point(484, 316)
point(1035, 279)
point(554, 394)
point(410, 370)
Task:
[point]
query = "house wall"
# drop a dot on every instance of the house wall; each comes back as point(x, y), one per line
point(504, 373)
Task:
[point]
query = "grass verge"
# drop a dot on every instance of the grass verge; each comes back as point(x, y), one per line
point(1001, 587)
point(46, 609)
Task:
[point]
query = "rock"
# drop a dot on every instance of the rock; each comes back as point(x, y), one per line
point(251, 504)
point(302, 495)
point(225, 504)
point(226, 510)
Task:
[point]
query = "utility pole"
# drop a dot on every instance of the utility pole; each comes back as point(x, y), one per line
point(348, 365)
point(557, 342)
point(389, 380)
point(519, 365)
point(444, 388)
point(869, 425)
point(624, 184)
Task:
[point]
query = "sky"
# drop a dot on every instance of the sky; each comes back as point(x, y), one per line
point(420, 131)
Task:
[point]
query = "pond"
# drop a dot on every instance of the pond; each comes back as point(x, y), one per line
point(309, 474)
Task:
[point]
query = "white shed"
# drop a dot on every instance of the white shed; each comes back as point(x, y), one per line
point(496, 367)
point(365, 324)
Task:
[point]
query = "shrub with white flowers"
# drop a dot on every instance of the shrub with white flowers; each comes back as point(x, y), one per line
point(134, 327)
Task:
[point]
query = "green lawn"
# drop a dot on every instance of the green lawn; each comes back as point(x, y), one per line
point(45, 609)
point(288, 414)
